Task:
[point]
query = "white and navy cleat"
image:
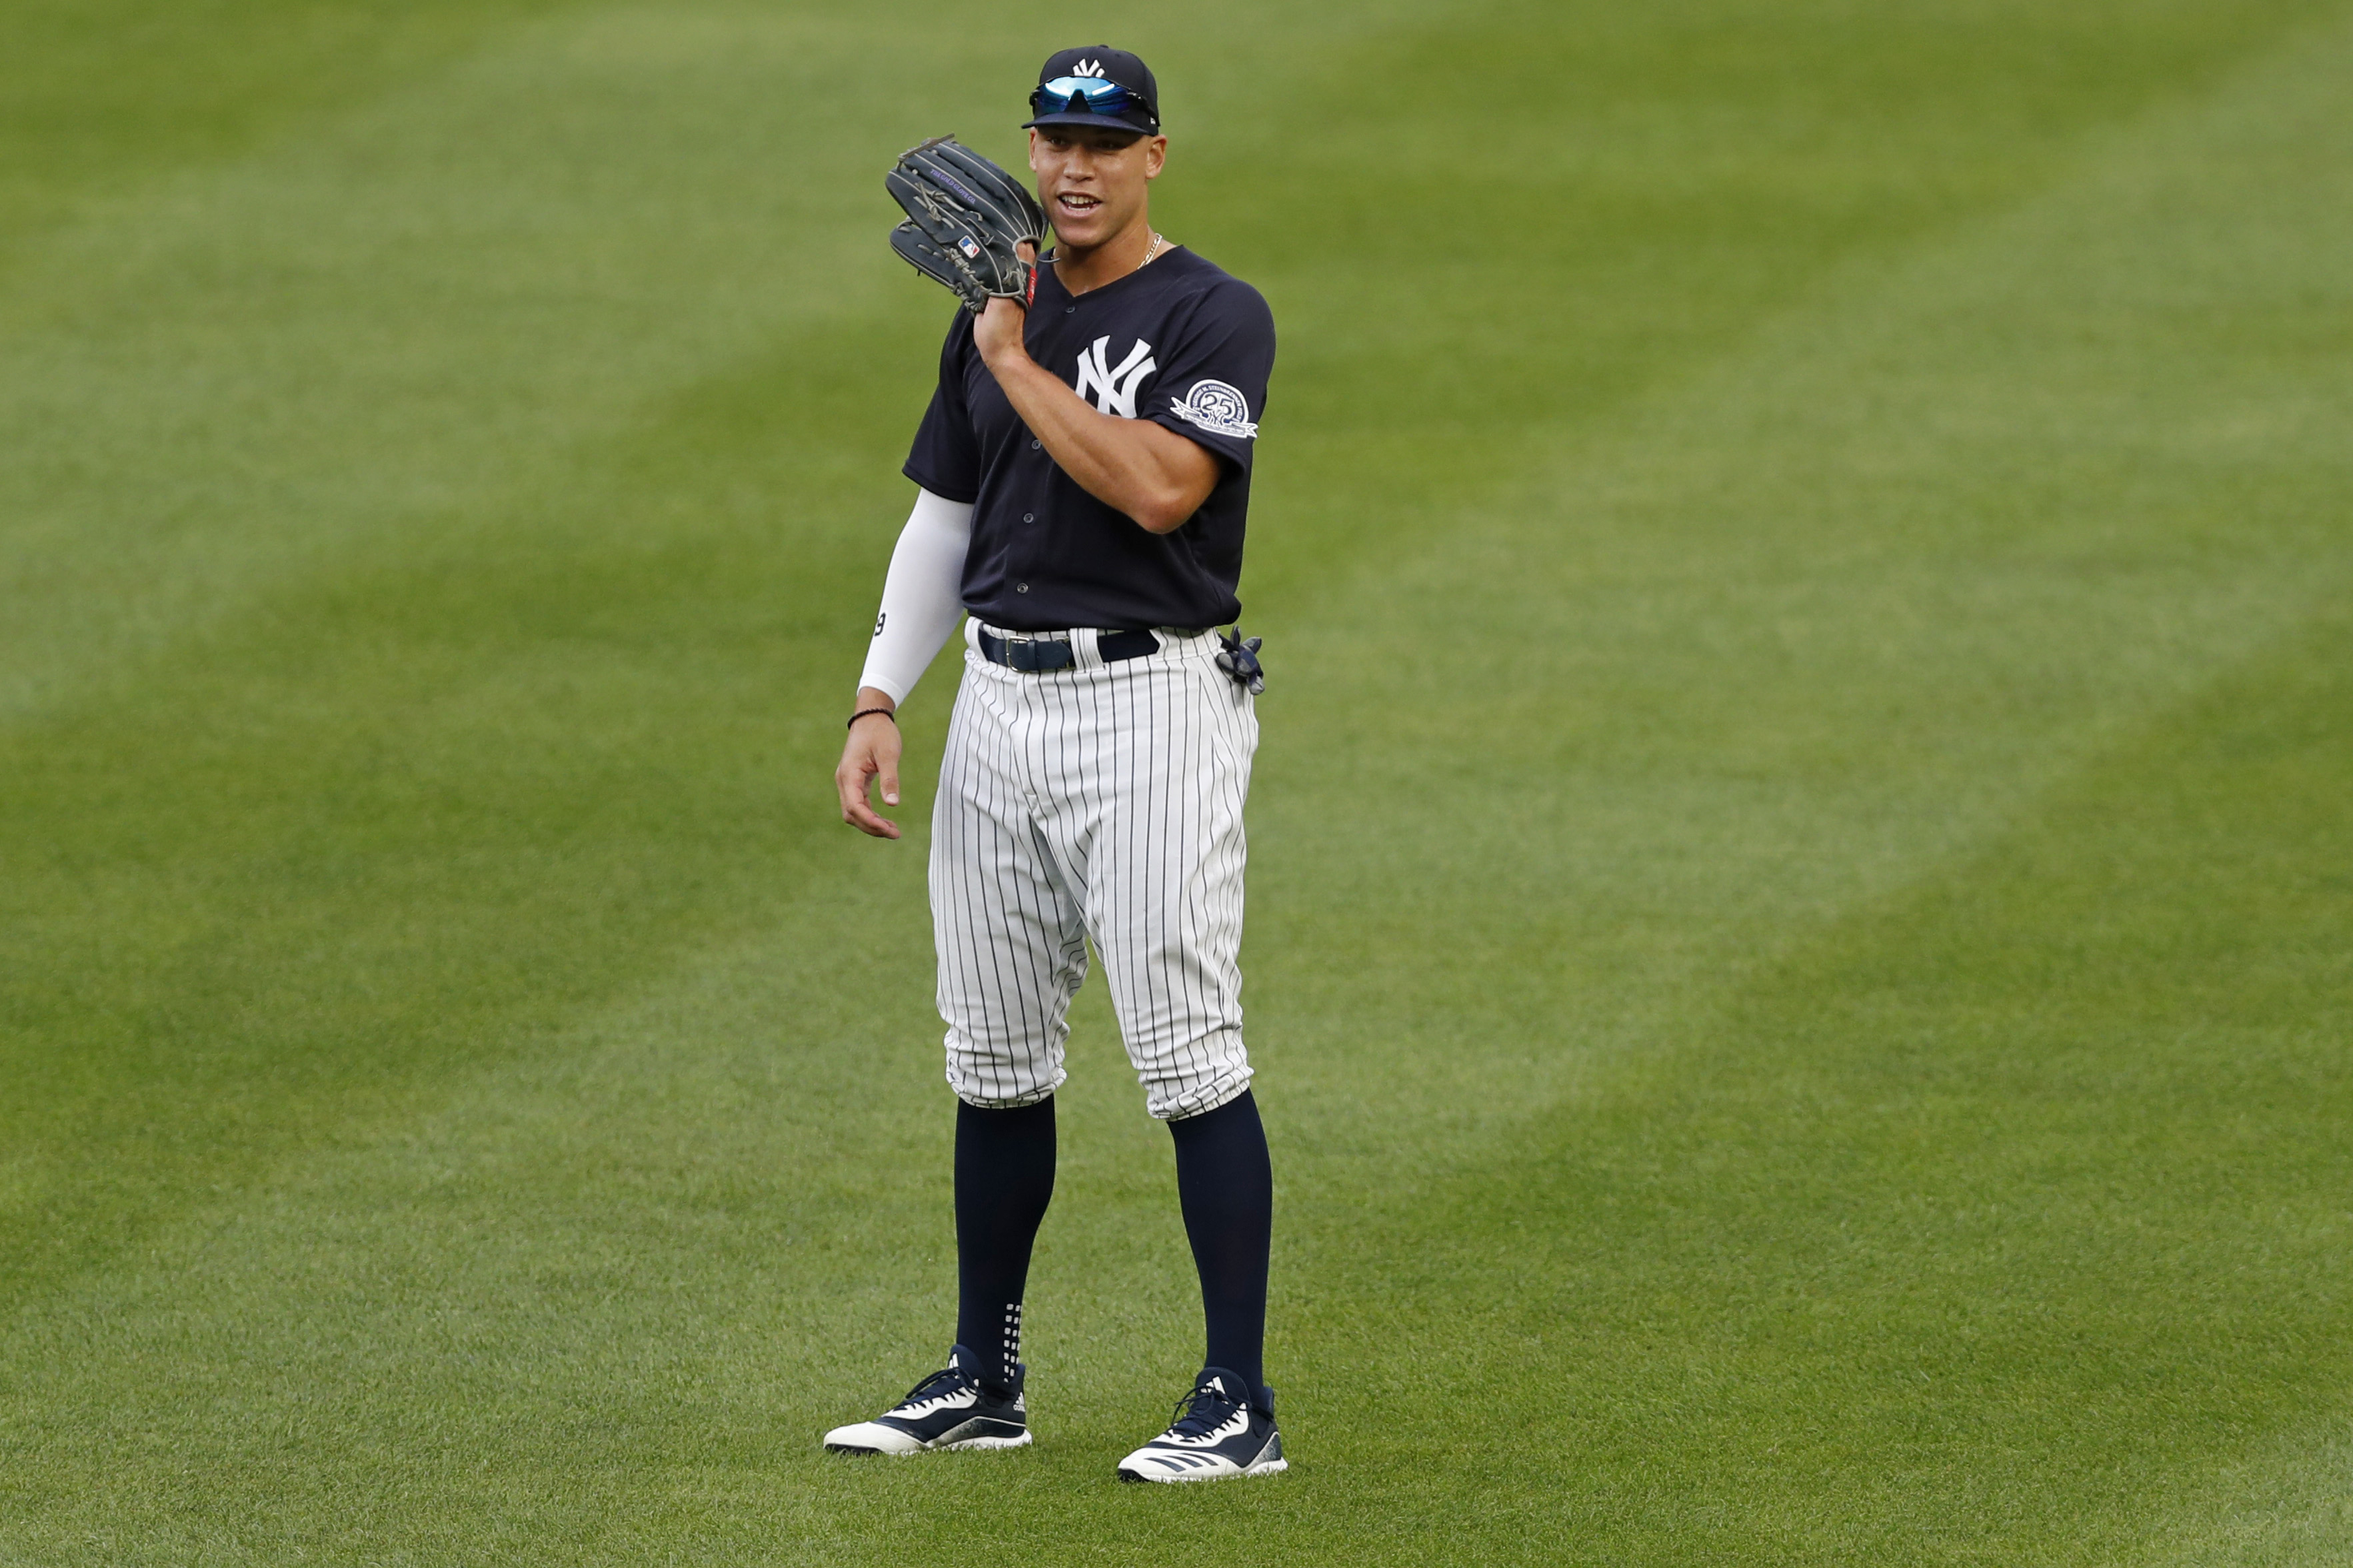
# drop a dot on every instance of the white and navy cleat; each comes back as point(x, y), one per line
point(1222, 1428)
point(949, 1409)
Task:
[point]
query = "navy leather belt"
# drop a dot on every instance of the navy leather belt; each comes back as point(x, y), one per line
point(1037, 654)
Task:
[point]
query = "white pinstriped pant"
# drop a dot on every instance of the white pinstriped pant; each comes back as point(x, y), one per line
point(1106, 802)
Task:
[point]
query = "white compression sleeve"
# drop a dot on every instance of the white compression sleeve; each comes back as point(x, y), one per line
point(922, 596)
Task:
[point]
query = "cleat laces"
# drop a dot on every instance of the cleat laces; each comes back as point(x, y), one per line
point(943, 1384)
point(1200, 1413)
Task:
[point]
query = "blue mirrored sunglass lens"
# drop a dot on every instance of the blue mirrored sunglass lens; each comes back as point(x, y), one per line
point(1091, 86)
point(1108, 97)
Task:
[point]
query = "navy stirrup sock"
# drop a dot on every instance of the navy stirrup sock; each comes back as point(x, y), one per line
point(1226, 1184)
point(1004, 1179)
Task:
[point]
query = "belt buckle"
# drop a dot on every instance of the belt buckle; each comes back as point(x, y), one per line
point(1023, 650)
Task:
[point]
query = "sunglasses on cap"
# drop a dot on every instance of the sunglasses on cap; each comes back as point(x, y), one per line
point(1087, 94)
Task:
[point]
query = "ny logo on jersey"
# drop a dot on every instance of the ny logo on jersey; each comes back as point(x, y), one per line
point(1116, 389)
point(1087, 68)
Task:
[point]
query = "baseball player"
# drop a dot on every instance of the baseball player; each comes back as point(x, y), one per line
point(1084, 470)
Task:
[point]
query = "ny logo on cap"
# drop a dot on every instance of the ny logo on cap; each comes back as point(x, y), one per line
point(1087, 68)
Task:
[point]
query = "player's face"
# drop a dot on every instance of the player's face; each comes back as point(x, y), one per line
point(1092, 181)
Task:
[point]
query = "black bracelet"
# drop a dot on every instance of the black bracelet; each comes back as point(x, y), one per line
point(862, 712)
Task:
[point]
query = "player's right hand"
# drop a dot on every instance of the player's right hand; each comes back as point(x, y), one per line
point(870, 753)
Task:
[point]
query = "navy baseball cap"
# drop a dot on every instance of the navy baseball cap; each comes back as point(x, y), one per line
point(1097, 86)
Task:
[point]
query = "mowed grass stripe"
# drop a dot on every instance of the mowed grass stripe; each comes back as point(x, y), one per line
point(2282, 1503)
point(352, 345)
point(1973, 1227)
point(415, 818)
point(1803, 1302)
point(595, 1308)
point(2179, 480)
point(102, 97)
point(1775, 639)
point(468, 654)
point(325, 345)
point(1660, 186)
point(1868, 1287)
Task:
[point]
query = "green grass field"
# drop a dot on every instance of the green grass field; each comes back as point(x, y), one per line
point(1801, 946)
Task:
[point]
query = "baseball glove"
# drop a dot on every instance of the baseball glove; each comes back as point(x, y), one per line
point(966, 221)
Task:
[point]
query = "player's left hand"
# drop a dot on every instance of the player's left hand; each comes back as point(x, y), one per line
point(997, 331)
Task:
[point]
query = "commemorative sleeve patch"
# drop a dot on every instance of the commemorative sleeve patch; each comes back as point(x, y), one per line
point(1217, 408)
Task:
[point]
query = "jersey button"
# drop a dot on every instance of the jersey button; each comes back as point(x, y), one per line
point(1029, 517)
point(1020, 587)
point(1070, 310)
point(1034, 445)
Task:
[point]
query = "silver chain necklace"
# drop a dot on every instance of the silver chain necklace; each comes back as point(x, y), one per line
point(1156, 243)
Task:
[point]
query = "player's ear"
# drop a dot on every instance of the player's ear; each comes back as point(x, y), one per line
point(1156, 156)
point(1033, 151)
